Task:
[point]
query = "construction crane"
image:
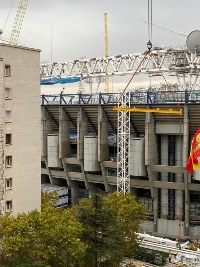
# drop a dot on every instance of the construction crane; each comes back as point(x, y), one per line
point(106, 49)
point(179, 63)
point(21, 9)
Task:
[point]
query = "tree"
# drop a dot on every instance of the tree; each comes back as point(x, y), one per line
point(101, 232)
point(46, 238)
point(129, 214)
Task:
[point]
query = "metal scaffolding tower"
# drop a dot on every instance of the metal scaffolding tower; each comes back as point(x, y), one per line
point(123, 141)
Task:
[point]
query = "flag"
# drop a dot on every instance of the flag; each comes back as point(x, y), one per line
point(193, 162)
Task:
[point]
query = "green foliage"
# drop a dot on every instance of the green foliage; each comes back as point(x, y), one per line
point(48, 237)
point(129, 214)
point(98, 232)
point(101, 232)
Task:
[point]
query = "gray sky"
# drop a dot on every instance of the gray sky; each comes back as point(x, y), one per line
point(78, 25)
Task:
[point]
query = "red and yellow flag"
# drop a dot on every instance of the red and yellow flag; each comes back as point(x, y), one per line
point(193, 163)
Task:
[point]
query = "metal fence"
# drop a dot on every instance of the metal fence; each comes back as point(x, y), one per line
point(143, 97)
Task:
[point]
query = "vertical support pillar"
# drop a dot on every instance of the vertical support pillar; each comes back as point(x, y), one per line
point(103, 152)
point(179, 177)
point(64, 140)
point(185, 156)
point(82, 131)
point(46, 125)
point(164, 176)
point(64, 134)
point(74, 193)
point(151, 158)
point(46, 129)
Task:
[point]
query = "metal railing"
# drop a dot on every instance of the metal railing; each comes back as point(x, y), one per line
point(136, 97)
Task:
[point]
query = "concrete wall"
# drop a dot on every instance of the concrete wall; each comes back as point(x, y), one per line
point(147, 226)
point(170, 227)
point(25, 126)
point(147, 127)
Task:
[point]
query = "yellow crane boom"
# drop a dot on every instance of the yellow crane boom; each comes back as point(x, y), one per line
point(146, 110)
point(21, 9)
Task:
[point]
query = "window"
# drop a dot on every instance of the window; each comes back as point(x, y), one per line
point(8, 139)
point(8, 93)
point(8, 184)
point(9, 205)
point(7, 71)
point(8, 116)
point(8, 161)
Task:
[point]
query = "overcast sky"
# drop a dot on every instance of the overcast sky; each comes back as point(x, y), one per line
point(78, 25)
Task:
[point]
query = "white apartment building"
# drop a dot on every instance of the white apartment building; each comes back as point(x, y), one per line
point(20, 136)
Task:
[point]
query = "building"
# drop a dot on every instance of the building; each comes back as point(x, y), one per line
point(20, 135)
point(80, 151)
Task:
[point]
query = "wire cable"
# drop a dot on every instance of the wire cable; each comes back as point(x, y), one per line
point(168, 87)
point(120, 96)
point(8, 14)
point(151, 20)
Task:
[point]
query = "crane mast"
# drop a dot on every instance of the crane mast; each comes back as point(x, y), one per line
point(21, 9)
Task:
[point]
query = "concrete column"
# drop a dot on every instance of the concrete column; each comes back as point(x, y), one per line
point(64, 134)
point(64, 140)
point(103, 151)
point(46, 124)
point(82, 131)
point(186, 178)
point(74, 193)
point(164, 176)
point(151, 158)
point(179, 177)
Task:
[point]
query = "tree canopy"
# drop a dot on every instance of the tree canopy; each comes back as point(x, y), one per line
point(48, 238)
point(129, 214)
point(97, 232)
point(101, 232)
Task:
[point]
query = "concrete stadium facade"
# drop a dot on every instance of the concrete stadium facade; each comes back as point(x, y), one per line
point(86, 124)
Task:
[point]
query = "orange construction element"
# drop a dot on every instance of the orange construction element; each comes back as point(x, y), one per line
point(157, 110)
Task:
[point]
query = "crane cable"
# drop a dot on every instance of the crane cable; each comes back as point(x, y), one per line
point(122, 93)
point(150, 54)
point(167, 84)
point(8, 14)
point(149, 46)
point(150, 15)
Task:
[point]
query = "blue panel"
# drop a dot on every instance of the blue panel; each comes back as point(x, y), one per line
point(55, 80)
